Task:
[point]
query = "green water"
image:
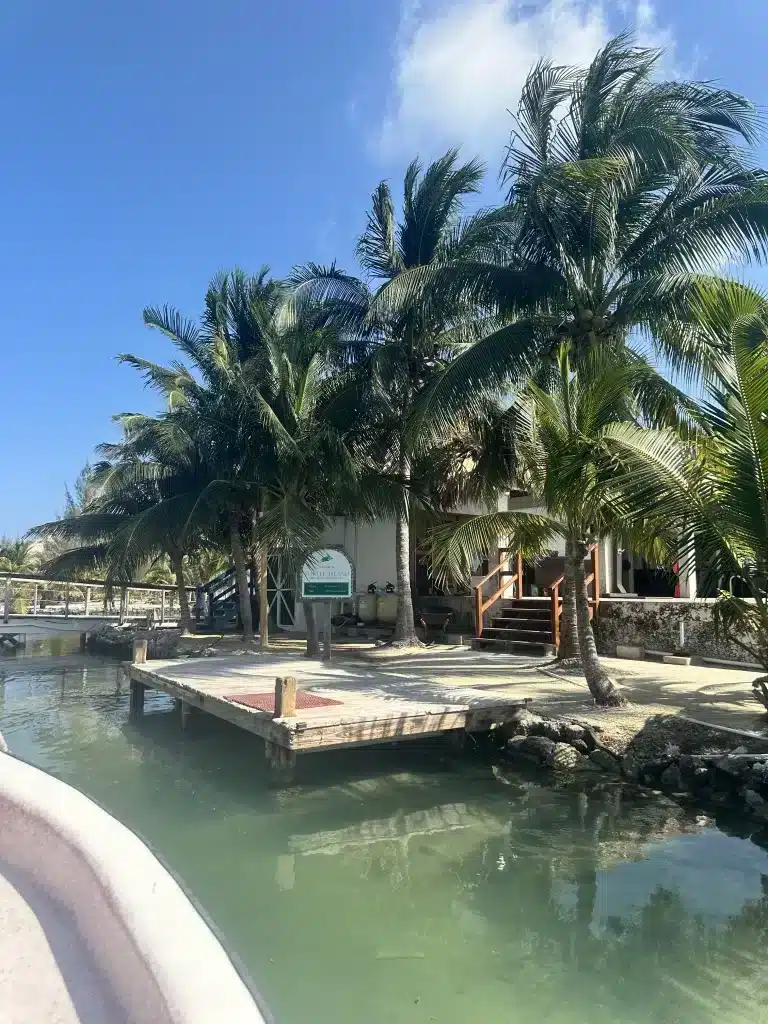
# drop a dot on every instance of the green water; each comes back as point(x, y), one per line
point(406, 885)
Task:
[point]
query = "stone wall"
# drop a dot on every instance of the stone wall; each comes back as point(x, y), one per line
point(655, 625)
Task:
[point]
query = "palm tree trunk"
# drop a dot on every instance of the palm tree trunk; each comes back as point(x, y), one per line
point(313, 644)
point(177, 564)
point(241, 576)
point(600, 684)
point(405, 627)
point(569, 637)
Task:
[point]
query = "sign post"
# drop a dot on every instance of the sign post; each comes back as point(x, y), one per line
point(326, 576)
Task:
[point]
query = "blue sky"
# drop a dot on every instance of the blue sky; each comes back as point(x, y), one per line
point(148, 144)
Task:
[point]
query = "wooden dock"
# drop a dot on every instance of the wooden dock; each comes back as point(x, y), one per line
point(318, 706)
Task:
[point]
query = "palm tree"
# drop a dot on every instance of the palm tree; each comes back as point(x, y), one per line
point(258, 421)
point(623, 191)
point(567, 459)
point(17, 555)
point(399, 351)
point(715, 494)
point(117, 533)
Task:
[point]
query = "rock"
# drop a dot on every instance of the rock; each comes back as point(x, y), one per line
point(630, 767)
point(733, 766)
point(521, 723)
point(549, 728)
point(605, 760)
point(687, 767)
point(579, 745)
point(670, 777)
point(753, 799)
point(540, 747)
point(565, 758)
point(572, 733)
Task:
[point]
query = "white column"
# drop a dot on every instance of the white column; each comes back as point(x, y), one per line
point(687, 577)
point(606, 553)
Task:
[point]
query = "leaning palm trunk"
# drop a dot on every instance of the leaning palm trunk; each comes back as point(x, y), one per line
point(177, 564)
point(241, 576)
point(569, 637)
point(405, 628)
point(313, 645)
point(600, 685)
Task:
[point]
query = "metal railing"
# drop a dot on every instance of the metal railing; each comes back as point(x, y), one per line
point(27, 594)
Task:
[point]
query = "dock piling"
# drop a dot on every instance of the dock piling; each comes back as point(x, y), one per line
point(285, 697)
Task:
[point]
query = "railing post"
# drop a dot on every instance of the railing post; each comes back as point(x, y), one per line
point(519, 570)
point(35, 604)
point(479, 610)
point(162, 607)
point(8, 599)
point(123, 605)
point(87, 601)
point(66, 600)
point(555, 611)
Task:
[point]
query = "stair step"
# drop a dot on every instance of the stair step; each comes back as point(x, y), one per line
point(532, 635)
point(522, 622)
point(511, 646)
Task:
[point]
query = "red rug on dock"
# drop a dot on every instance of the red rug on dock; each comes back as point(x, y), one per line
point(266, 701)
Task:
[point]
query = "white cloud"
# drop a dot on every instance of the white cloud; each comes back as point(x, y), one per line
point(459, 65)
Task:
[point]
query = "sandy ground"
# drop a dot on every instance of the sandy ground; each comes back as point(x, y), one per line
point(720, 696)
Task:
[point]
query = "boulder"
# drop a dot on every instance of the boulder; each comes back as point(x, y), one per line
point(540, 747)
point(753, 799)
point(579, 745)
point(604, 760)
point(670, 777)
point(572, 733)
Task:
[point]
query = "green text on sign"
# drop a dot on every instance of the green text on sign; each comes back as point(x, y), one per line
point(327, 590)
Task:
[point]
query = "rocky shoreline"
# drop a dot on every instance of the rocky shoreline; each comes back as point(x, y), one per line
point(712, 766)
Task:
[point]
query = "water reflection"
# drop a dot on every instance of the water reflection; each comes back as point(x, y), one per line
point(404, 885)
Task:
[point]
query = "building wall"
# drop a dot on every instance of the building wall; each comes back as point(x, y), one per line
point(370, 548)
point(654, 623)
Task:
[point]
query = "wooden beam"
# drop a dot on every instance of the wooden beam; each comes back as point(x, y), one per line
point(282, 763)
point(139, 651)
point(285, 697)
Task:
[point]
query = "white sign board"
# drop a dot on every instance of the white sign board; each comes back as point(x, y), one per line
point(327, 573)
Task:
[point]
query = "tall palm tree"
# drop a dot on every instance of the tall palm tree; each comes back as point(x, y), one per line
point(399, 351)
point(715, 494)
point(117, 533)
point(567, 459)
point(256, 422)
point(623, 191)
point(17, 554)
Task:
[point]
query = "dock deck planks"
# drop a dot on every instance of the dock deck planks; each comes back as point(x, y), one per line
point(377, 704)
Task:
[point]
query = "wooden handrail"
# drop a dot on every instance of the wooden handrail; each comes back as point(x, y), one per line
point(507, 578)
point(556, 606)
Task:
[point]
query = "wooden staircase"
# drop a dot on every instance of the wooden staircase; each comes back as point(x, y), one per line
point(519, 624)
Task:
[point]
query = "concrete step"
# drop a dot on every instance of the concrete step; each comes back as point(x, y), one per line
point(482, 643)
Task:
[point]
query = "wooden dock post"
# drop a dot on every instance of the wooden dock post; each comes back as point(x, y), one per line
point(186, 711)
point(139, 651)
point(285, 697)
point(282, 763)
point(83, 641)
point(137, 697)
